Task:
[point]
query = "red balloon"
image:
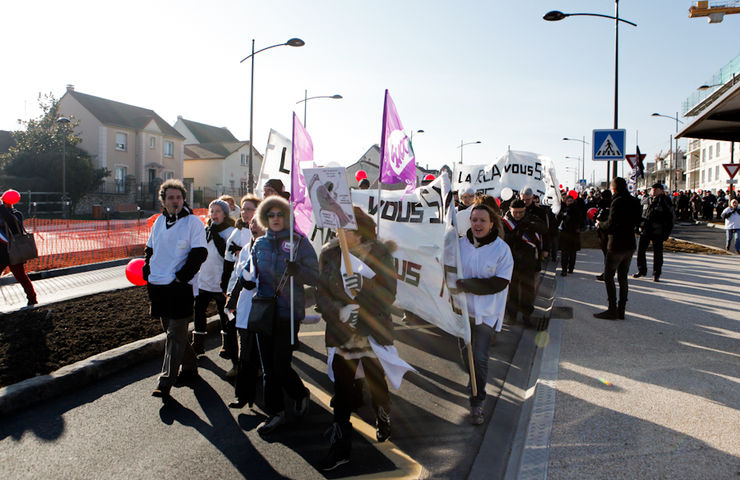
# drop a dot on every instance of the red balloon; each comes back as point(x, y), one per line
point(675, 194)
point(429, 176)
point(11, 197)
point(573, 194)
point(360, 175)
point(592, 212)
point(561, 186)
point(135, 271)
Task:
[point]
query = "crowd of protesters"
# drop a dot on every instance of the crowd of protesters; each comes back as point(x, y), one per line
point(247, 253)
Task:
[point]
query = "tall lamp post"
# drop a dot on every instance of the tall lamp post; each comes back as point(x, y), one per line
point(306, 98)
point(63, 122)
point(583, 152)
point(462, 145)
point(577, 169)
point(293, 42)
point(675, 152)
point(554, 16)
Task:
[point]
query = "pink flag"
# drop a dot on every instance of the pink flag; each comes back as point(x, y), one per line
point(396, 155)
point(302, 158)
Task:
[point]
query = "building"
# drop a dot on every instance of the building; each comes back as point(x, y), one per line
point(713, 129)
point(215, 162)
point(140, 149)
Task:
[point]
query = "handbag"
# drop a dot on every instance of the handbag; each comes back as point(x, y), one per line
point(21, 245)
point(263, 314)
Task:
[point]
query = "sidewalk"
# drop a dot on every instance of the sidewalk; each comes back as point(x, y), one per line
point(653, 396)
point(64, 287)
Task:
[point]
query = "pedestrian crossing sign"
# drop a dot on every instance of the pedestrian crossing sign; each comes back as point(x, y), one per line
point(609, 144)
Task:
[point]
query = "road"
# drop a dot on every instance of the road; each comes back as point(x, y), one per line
point(115, 429)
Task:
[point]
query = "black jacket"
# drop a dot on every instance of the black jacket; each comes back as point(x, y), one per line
point(13, 220)
point(375, 297)
point(658, 218)
point(571, 222)
point(521, 237)
point(624, 217)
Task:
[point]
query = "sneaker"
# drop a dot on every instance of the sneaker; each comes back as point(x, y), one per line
point(607, 315)
point(383, 424)
point(272, 422)
point(476, 416)
point(340, 449)
point(301, 406)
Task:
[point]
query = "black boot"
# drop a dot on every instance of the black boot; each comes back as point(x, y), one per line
point(198, 343)
point(340, 447)
point(609, 314)
point(620, 311)
point(383, 424)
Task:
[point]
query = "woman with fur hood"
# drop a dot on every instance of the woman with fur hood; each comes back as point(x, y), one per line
point(269, 262)
point(359, 330)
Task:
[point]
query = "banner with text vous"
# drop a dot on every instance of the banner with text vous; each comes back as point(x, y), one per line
point(516, 170)
point(420, 223)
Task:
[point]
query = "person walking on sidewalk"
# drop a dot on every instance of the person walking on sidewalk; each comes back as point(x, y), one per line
point(731, 215)
point(174, 253)
point(570, 223)
point(11, 222)
point(624, 217)
point(602, 214)
point(212, 285)
point(657, 224)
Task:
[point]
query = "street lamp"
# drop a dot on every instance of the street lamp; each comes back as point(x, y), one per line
point(63, 122)
point(675, 151)
point(578, 160)
point(462, 145)
point(306, 98)
point(583, 152)
point(707, 87)
point(293, 42)
point(555, 15)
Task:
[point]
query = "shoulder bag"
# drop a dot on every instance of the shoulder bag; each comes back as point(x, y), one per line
point(21, 245)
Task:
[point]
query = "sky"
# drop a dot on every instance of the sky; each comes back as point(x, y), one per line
point(463, 71)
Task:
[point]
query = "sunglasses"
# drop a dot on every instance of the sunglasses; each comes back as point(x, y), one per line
point(275, 214)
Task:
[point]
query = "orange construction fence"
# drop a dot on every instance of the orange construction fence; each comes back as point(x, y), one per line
point(67, 243)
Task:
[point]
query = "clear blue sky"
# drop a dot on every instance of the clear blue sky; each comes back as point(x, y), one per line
point(489, 71)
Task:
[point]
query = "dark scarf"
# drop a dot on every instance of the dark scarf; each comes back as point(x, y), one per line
point(212, 233)
point(479, 242)
point(170, 220)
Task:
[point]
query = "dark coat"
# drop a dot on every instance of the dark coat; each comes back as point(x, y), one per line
point(13, 220)
point(624, 217)
point(570, 221)
point(375, 297)
point(658, 218)
point(521, 237)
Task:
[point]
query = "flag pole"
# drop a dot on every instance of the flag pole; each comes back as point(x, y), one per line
point(292, 220)
point(472, 370)
point(345, 252)
point(380, 163)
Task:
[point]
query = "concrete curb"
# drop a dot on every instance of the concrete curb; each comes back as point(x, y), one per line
point(24, 394)
point(58, 272)
point(498, 453)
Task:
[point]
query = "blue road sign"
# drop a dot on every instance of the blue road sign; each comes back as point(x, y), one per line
point(609, 144)
point(583, 182)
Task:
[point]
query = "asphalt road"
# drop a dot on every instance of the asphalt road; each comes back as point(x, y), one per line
point(714, 237)
point(115, 429)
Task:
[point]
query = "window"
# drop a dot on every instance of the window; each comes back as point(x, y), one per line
point(243, 187)
point(120, 179)
point(121, 141)
point(709, 174)
point(716, 172)
point(710, 152)
point(169, 148)
point(703, 154)
point(703, 176)
point(169, 175)
point(152, 142)
point(244, 159)
point(716, 149)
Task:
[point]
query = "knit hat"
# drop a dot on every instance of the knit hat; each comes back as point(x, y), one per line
point(222, 204)
point(658, 185)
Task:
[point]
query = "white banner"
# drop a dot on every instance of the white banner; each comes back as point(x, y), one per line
point(516, 170)
point(427, 251)
point(277, 161)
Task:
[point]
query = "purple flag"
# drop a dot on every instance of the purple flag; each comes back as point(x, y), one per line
point(302, 158)
point(396, 155)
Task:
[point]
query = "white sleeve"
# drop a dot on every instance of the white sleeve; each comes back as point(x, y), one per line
point(505, 264)
point(197, 233)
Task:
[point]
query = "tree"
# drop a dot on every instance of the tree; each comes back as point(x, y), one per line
point(36, 158)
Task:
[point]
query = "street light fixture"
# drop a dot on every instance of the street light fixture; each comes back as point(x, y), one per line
point(293, 42)
point(583, 152)
point(462, 145)
point(306, 98)
point(707, 87)
point(675, 151)
point(556, 15)
point(63, 122)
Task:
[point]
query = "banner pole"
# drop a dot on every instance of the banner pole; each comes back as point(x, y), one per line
point(292, 259)
point(472, 370)
point(345, 252)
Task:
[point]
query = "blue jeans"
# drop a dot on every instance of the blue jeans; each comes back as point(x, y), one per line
point(481, 342)
point(730, 233)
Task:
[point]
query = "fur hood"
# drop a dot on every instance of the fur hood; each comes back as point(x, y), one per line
point(273, 201)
